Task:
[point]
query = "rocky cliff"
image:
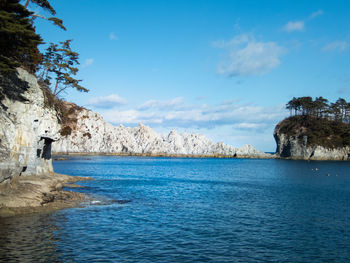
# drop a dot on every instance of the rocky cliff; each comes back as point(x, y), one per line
point(89, 133)
point(300, 137)
point(27, 127)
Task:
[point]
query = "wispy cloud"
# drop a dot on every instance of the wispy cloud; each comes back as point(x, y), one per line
point(339, 46)
point(113, 36)
point(299, 25)
point(316, 14)
point(248, 57)
point(88, 62)
point(162, 105)
point(294, 26)
point(106, 102)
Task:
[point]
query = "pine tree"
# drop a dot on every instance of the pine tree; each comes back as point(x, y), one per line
point(59, 65)
point(18, 40)
point(321, 105)
point(45, 5)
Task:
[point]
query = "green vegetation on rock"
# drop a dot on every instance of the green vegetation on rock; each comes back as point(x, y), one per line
point(318, 122)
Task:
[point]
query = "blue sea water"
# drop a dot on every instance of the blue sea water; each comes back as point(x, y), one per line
point(191, 210)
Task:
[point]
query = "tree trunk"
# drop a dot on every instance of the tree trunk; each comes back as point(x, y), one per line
point(27, 3)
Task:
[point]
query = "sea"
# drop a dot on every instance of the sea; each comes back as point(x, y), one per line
point(155, 209)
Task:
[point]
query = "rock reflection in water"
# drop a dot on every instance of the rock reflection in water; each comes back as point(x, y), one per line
point(28, 238)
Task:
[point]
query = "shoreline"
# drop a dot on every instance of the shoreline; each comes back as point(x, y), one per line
point(57, 155)
point(40, 193)
point(218, 156)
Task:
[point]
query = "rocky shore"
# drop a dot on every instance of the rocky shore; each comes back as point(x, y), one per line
point(39, 193)
point(28, 127)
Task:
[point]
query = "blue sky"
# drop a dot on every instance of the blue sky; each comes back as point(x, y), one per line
point(221, 68)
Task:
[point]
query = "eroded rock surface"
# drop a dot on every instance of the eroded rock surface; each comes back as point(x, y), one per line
point(93, 135)
point(27, 128)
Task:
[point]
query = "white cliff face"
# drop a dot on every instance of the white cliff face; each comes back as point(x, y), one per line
point(94, 135)
point(25, 130)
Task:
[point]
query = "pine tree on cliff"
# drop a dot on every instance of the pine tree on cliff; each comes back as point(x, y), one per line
point(18, 40)
point(59, 64)
point(321, 106)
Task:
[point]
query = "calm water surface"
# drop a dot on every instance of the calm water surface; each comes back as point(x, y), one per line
point(192, 210)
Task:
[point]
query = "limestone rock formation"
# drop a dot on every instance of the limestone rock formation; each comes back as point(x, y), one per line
point(27, 128)
point(296, 145)
point(91, 134)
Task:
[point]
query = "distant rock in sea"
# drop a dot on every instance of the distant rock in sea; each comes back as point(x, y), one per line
point(310, 138)
point(88, 132)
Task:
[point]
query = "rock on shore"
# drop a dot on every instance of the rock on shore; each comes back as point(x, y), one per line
point(39, 193)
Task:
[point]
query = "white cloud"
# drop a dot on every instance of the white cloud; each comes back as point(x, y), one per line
point(247, 57)
point(299, 25)
point(340, 46)
point(106, 102)
point(249, 126)
point(88, 62)
point(162, 105)
point(294, 26)
point(113, 36)
point(238, 115)
point(316, 14)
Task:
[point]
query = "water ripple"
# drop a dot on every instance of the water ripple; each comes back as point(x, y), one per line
point(192, 210)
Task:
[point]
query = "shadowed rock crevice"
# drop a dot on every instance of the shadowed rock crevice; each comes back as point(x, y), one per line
point(12, 87)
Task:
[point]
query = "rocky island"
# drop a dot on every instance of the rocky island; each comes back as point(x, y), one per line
point(318, 131)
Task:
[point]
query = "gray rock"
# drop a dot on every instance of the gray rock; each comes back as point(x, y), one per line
point(295, 148)
point(27, 129)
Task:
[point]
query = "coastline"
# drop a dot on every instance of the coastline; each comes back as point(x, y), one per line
point(57, 156)
point(266, 156)
point(39, 193)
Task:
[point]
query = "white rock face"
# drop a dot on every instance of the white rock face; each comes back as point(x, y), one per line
point(24, 125)
point(94, 135)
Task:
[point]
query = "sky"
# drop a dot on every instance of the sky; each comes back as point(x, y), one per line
point(224, 69)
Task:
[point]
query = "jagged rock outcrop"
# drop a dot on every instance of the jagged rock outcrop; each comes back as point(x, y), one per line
point(27, 127)
point(91, 134)
point(293, 141)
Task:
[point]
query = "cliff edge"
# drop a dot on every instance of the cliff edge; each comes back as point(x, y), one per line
point(27, 127)
point(311, 138)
